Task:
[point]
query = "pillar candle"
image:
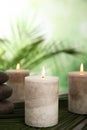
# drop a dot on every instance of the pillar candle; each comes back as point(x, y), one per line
point(17, 82)
point(78, 92)
point(41, 101)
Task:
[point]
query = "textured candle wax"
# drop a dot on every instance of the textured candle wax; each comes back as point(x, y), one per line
point(41, 101)
point(78, 93)
point(17, 83)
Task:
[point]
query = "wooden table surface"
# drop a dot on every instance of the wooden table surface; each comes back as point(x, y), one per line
point(67, 120)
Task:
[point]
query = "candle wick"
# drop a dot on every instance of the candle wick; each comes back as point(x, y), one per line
point(43, 77)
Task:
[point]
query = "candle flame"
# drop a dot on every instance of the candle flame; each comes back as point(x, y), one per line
point(81, 69)
point(43, 72)
point(18, 67)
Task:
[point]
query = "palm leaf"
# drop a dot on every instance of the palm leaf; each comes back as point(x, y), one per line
point(28, 46)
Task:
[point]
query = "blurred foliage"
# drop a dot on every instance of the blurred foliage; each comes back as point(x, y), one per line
point(59, 41)
point(28, 47)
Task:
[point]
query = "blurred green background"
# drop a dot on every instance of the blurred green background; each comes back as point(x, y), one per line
point(52, 33)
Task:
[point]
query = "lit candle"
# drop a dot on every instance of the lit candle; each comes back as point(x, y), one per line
point(78, 91)
point(17, 82)
point(41, 100)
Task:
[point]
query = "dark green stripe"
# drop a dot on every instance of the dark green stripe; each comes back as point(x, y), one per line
point(67, 120)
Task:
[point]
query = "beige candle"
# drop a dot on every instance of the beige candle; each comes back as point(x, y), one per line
point(41, 101)
point(78, 92)
point(17, 82)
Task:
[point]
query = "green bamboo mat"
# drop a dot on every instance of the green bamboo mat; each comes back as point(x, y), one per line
point(67, 120)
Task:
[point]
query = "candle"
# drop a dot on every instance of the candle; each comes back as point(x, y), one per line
point(78, 91)
point(41, 100)
point(17, 82)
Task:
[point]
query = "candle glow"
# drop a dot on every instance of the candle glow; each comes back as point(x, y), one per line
point(18, 67)
point(81, 69)
point(43, 72)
